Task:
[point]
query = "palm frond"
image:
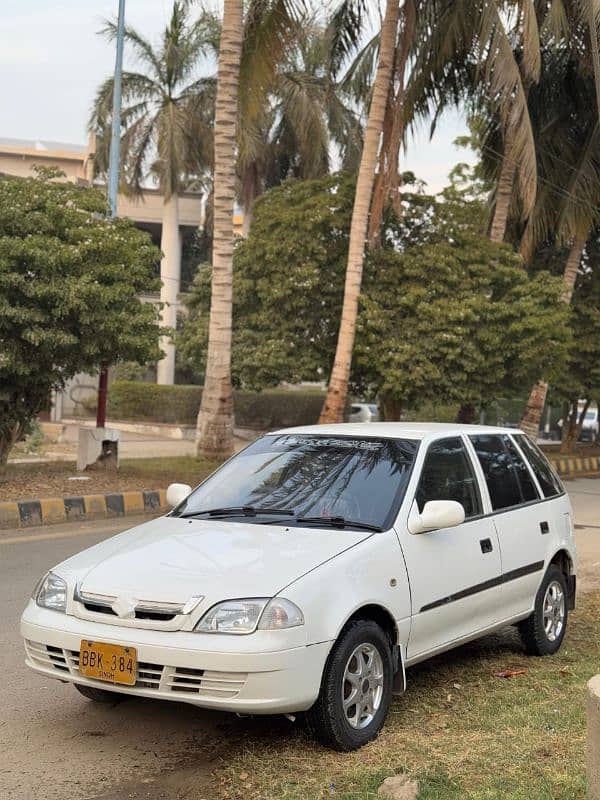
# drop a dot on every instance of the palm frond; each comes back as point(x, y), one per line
point(345, 30)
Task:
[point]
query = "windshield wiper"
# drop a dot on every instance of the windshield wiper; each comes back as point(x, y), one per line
point(242, 511)
point(341, 522)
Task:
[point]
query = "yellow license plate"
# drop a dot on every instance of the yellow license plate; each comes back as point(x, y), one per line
point(108, 662)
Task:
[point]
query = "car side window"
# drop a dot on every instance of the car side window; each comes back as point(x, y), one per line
point(546, 477)
point(500, 470)
point(528, 488)
point(448, 474)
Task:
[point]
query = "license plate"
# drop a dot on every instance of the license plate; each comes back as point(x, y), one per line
point(108, 662)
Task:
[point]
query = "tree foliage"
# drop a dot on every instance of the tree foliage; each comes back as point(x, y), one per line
point(444, 311)
point(288, 286)
point(69, 285)
point(456, 316)
point(579, 377)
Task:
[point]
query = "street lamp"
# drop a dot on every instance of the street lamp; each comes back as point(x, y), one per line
point(113, 183)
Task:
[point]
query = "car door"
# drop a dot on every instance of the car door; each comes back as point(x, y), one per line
point(521, 520)
point(455, 572)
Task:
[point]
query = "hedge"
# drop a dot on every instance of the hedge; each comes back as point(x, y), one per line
point(178, 405)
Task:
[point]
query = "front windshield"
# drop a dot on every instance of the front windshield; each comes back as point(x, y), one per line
point(359, 480)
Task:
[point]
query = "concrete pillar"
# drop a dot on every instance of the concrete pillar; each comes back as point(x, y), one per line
point(593, 743)
point(170, 273)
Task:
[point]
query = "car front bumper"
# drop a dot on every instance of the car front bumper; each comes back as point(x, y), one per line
point(180, 666)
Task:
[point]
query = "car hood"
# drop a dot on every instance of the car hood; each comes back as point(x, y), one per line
point(172, 559)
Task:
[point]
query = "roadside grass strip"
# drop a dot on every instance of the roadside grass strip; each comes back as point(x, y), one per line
point(464, 733)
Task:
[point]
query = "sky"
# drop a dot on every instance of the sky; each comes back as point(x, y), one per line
point(52, 60)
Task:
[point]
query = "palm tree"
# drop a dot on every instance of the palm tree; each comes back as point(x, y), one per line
point(167, 133)
point(487, 55)
point(305, 110)
point(568, 206)
point(458, 50)
point(214, 432)
point(337, 391)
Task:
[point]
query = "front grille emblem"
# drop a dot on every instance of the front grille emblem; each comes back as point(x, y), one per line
point(124, 607)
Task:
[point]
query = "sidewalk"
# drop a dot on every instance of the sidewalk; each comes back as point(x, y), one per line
point(131, 445)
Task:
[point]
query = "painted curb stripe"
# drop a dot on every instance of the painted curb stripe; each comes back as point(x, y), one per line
point(74, 507)
point(572, 466)
point(115, 507)
point(30, 513)
point(47, 511)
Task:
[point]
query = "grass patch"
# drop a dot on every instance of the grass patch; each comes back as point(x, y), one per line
point(462, 732)
point(31, 481)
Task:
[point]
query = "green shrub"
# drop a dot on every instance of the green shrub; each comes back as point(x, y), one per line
point(150, 402)
point(277, 408)
point(178, 405)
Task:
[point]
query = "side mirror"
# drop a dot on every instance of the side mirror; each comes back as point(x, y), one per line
point(177, 492)
point(436, 514)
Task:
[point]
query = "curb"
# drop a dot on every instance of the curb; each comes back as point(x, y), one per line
point(575, 465)
point(28, 513)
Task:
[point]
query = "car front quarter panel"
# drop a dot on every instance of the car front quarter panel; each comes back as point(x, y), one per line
point(372, 573)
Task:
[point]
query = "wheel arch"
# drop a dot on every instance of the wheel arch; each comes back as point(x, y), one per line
point(385, 619)
point(566, 564)
point(563, 560)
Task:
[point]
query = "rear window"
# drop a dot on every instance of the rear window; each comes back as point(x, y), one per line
point(499, 471)
point(546, 476)
point(528, 488)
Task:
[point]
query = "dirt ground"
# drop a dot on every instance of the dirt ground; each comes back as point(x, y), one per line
point(61, 479)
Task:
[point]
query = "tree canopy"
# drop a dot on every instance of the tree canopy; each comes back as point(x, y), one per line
point(444, 311)
point(69, 284)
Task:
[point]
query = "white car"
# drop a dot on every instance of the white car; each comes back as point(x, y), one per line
point(364, 412)
point(313, 568)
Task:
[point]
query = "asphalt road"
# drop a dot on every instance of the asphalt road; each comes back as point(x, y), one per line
point(55, 744)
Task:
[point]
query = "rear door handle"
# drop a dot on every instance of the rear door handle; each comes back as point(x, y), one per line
point(544, 527)
point(486, 545)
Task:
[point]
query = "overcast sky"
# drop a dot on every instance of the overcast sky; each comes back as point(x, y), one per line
point(52, 60)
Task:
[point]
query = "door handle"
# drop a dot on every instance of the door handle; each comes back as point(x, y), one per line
point(486, 545)
point(544, 527)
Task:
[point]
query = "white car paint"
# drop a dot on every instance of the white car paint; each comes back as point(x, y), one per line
point(439, 589)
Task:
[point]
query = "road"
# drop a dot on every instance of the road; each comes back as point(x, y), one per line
point(55, 744)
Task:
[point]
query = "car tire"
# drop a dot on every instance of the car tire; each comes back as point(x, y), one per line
point(359, 666)
point(543, 632)
point(99, 695)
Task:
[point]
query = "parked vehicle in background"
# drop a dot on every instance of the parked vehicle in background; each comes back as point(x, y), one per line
point(591, 422)
point(311, 569)
point(364, 412)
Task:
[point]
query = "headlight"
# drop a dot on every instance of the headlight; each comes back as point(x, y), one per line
point(245, 616)
point(51, 592)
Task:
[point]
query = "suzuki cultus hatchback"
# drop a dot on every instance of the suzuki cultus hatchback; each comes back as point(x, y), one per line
point(311, 569)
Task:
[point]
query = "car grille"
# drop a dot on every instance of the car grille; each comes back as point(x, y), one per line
point(158, 677)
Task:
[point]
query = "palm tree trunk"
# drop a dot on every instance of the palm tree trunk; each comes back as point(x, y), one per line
point(337, 392)
point(170, 273)
point(387, 182)
point(504, 193)
point(214, 431)
point(572, 265)
point(530, 421)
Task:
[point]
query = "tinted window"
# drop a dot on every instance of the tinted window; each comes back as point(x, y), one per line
point(363, 480)
point(528, 490)
point(547, 478)
point(499, 470)
point(448, 475)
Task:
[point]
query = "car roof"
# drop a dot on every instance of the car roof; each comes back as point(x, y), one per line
point(396, 430)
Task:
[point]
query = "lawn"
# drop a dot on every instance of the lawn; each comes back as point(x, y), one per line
point(31, 481)
point(464, 733)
